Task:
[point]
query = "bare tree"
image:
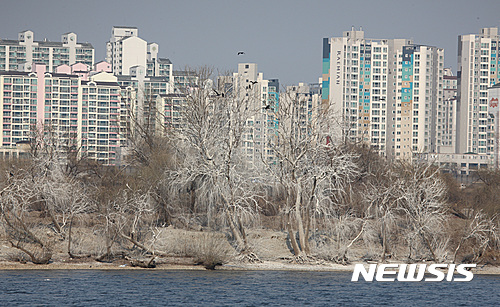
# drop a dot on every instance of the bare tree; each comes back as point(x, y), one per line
point(410, 199)
point(422, 199)
point(23, 230)
point(313, 172)
point(483, 230)
point(211, 162)
point(41, 200)
point(64, 198)
point(381, 197)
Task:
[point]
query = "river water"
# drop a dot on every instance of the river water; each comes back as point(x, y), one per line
point(232, 288)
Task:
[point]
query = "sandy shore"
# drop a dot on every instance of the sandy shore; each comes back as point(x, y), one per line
point(265, 266)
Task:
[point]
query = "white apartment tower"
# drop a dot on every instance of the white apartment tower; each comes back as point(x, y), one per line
point(447, 114)
point(307, 109)
point(125, 50)
point(21, 54)
point(385, 91)
point(73, 114)
point(477, 70)
point(419, 98)
point(263, 98)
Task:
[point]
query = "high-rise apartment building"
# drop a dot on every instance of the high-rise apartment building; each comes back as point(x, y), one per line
point(477, 70)
point(100, 118)
point(70, 113)
point(55, 88)
point(306, 110)
point(126, 50)
point(262, 97)
point(385, 91)
point(22, 53)
point(447, 115)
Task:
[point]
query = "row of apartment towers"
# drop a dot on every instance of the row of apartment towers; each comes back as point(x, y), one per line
point(95, 107)
point(392, 94)
point(397, 96)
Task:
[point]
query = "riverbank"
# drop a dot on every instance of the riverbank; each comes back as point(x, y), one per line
point(232, 266)
point(181, 253)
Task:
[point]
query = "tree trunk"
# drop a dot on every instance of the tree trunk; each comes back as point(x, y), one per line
point(54, 221)
point(307, 249)
point(298, 217)
point(293, 241)
point(426, 240)
point(43, 259)
point(410, 250)
point(384, 241)
point(236, 234)
point(456, 250)
point(140, 245)
point(69, 237)
point(243, 233)
point(344, 256)
point(24, 229)
point(109, 244)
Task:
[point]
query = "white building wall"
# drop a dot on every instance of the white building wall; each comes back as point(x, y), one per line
point(366, 90)
point(133, 53)
point(337, 86)
point(477, 70)
point(250, 85)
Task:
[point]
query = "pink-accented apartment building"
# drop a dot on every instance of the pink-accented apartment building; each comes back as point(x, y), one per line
point(72, 113)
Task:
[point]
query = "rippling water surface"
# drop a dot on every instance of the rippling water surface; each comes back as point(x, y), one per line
point(232, 288)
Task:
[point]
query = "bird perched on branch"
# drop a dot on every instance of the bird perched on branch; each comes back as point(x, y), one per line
point(218, 94)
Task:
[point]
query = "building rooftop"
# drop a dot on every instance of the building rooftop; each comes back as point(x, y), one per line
point(183, 73)
point(106, 83)
point(164, 61)
point(124, 27)
point(178, 95)
point(8, 42)
point(40, 43)
point(156, 78)
point(14, 73)
point(124, 78)
point(60, 75)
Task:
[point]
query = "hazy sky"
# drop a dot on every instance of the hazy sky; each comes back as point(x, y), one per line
point(283, 37)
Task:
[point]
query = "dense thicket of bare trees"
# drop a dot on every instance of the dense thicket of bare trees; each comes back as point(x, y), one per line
point(334, 201)
point(309, 172)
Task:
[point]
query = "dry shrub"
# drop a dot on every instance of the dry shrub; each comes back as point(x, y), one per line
point(210, 250)
point(268, 244)
point(324, 250)
point(207, 249)
point(16, 256)
point(175, 241)
point(86, 242)
point(491, 257)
